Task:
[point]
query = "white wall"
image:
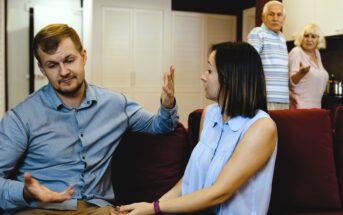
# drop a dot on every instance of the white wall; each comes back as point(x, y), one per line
point(18, 44)
point(2, 57)
point(326, 14)
point(248, 22)
point(134, 41)
point(88, 35)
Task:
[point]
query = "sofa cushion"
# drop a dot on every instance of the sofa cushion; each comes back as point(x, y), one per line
point(305, 175)
point(193, 125)
point(145, 166)
point(319, 213)
point(338, 122)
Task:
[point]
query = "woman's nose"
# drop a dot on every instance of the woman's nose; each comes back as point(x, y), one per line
point(203, 78)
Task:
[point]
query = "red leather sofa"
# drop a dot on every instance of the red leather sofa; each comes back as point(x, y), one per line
point(308, 177)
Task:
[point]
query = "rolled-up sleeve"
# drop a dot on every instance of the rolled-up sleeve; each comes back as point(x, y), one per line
point(164, 121)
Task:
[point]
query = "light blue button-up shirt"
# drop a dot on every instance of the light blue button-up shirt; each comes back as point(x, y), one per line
point(65, 146)
point(216, 145)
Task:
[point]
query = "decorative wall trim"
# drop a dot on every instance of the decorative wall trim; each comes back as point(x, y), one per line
point(2, 57)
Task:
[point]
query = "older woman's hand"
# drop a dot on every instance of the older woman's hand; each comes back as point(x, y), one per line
point(304, 70)
point(297, 76)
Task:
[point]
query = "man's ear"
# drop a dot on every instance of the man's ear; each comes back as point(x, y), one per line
point(84, 56)
point(41, 68)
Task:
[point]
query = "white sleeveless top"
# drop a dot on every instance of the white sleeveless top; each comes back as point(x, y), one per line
point(217, 143)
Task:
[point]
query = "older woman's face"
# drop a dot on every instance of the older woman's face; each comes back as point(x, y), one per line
point(210, 79)
point(310, 42)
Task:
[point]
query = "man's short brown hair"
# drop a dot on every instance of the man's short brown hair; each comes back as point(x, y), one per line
point(48, 38)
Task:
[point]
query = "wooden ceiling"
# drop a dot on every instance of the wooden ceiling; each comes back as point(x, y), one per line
point(231, 7)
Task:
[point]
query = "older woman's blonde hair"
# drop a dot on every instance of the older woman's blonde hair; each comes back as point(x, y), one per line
point(311, 29)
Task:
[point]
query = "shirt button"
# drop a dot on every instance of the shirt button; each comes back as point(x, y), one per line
point(81, 135)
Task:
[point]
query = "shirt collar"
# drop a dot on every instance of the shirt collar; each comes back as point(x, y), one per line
point(235, 124)
point(57, 103)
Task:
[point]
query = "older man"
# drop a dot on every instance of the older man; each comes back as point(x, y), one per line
point(270, 43)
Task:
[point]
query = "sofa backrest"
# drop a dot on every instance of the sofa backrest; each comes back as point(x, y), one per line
point(194, 125)
point(338, 122)
point(145, 166)
point(305, 172)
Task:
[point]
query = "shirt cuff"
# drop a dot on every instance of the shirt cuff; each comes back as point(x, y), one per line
point(17, 194)
point(170, 115)
point(166, 112)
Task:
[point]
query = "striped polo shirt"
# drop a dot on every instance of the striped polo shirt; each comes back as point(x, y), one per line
point(274, 55)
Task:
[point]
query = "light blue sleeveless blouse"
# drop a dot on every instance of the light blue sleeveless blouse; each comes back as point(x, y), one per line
point(217, 143)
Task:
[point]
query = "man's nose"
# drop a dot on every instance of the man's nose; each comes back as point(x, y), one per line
point(63, 70)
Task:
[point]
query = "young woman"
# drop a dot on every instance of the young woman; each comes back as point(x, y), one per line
point(231, 168)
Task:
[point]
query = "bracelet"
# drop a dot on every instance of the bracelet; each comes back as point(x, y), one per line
point(157, 207)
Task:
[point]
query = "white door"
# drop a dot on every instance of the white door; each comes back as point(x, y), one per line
point(2, 57)
point(248, 22)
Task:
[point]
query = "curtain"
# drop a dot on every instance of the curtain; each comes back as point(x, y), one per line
point(2, 57)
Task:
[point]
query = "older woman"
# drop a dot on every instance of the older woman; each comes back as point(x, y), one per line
point(308, 77)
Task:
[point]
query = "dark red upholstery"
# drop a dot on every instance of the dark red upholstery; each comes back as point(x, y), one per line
point(193, 125)
point(319, 213)
point(305, 173)
point(145, 166)
point(338, 121)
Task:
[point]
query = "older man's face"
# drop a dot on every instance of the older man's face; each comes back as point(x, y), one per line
point(274, 18)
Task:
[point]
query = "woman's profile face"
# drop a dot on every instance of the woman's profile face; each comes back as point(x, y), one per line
point(210, 79)
point(310, 42)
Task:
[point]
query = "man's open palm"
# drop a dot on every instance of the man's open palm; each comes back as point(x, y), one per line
point(34, 190)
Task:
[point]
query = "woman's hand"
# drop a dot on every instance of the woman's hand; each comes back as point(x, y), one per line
point(297, 76)
point(142, 208)
point(304, 70)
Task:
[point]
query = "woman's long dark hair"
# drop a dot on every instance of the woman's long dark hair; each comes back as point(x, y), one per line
point(241, 79)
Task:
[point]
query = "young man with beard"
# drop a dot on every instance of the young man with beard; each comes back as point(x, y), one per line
point(66, 133)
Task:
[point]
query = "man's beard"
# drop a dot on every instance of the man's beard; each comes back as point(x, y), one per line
point(71, 92)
